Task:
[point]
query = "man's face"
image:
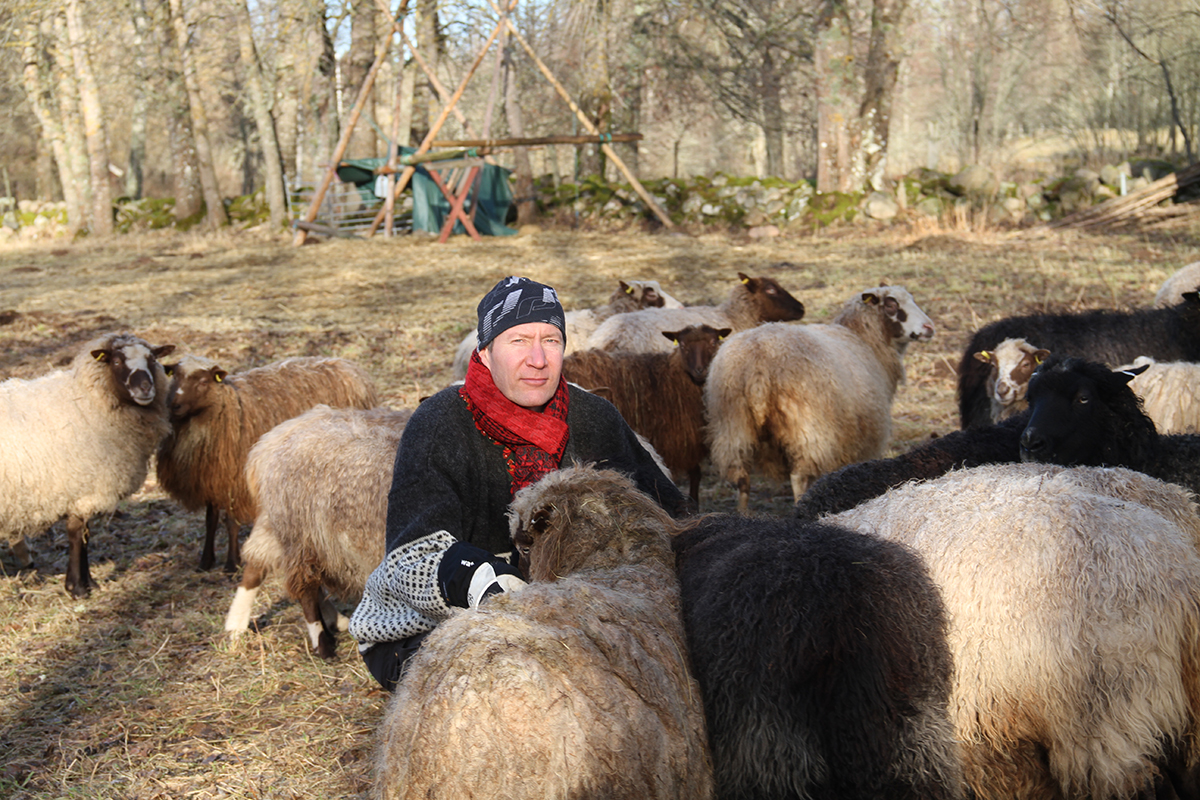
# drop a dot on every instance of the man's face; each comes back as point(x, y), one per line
point(526, 362)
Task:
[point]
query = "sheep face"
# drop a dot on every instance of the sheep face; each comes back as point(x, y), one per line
point(1079, 413)
point(134, 366)
point(906, 322)
point(1012, 365)
point(775, 304)
point(697, 346)
point(193, 379)
point(582, 518)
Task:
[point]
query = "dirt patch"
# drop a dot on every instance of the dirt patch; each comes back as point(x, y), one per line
point(136, 692)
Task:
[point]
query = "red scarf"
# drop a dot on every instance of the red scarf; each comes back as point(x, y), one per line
point(534, 441)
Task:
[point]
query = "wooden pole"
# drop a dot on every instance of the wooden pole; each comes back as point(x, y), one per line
point(536, 140)
point(587, 123)
point(343, 142)
point(441, 120)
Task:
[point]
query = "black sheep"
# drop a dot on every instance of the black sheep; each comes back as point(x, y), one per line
point(1083, 413)
point(857, 483)
point(822, 658)
point(1111, 337)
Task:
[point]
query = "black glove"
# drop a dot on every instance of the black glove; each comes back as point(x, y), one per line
point(468, 574)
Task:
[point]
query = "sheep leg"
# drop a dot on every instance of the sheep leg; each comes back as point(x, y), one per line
point(799, 486)
point(238, 618)
point(322, 639)
point(211, 519)
point(334, 620)
point(79, 577)
point(233, 556)
point(694, 484)
point(743, 487)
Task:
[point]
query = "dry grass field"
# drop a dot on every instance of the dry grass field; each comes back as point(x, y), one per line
point(135, 692)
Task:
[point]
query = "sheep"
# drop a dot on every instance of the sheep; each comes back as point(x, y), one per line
point(1081, 412)
point(1185, 279)
point(217, 417)
point(1111, 337)
point(575, 686)
point(77, 441)
point(320, 482)
point(1169, 391)
point(806, 399)
point(751, 302)
point(857, 483)
point(1012, 363)
point(658, 394)
point(581, 323)
point(1074, 604)
point(823, 660)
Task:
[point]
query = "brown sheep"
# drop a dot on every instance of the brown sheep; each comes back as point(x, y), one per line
point(575, 686)
point(660, 395)
point(217, 417)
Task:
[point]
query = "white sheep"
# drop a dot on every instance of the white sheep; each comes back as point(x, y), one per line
point(1074, 604)
point(751, 301)
point(575, 686)
point(1013, 362)
point(1170, 393)
point(217, 417)
point(582, 322)
point(77, 441)
point(803, 400)
point(1184, 279)
point(320, 482)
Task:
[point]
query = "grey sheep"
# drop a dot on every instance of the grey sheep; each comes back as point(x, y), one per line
point(77, 441)
point(752, 301)
point(1184, 279)
point(320, 482)
point(217, 417)
point(1169, 391)
point(1074, 603)
point(802, 400)
point(577, 685)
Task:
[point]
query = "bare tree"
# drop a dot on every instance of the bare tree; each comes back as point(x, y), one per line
point(93, 120)
point(365, 32)
point(39, 89)
point(260, 105)
point(74, 135)
point(214, 206)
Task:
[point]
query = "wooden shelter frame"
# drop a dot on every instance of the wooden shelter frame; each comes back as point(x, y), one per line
point(450, 106)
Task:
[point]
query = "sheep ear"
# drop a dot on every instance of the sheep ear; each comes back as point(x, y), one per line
point(101, 355)
point(744, 278)
point(672, 335)
point(163, 350)
point(219, 375)
point(1040, 355)
point(985, 357)
point(1129, 374)
point(540, 520)
point(169, 369)
point(722, 333)
point(870, 298)
point(625, 287)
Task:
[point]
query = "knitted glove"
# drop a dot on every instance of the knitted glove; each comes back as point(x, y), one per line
point(467, 574)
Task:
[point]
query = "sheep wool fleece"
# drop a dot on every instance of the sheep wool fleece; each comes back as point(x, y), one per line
point(451, 484)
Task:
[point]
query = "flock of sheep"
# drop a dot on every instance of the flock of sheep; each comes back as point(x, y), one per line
point(1011, 610)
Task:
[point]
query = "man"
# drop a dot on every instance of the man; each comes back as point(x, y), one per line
point(463, 455)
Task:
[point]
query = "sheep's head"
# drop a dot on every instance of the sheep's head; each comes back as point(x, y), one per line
point(583, 518)
point(775, 304)
point(1083, 414)
point(1012, 365)
point(193, 379)
point(905, 320)
point(136, 373)
point(697, 346)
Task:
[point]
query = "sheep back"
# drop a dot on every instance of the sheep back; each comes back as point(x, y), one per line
point(1170, 393)
point(823, 660)
point(222, 416)
point(320, 482)
point(573, 688)
point(75, 443)
point(1184, 279)
point(1074, 603)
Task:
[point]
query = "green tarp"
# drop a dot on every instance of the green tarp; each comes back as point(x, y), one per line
point(430, 206)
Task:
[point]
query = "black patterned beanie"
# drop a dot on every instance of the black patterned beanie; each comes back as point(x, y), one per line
point(516, 301)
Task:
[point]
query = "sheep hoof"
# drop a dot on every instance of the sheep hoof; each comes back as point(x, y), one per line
point(326, 646)
point(79, 590)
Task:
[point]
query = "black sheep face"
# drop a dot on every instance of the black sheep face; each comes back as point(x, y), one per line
point(1077, 412)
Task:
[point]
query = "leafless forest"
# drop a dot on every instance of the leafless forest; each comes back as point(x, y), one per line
point(203, 100)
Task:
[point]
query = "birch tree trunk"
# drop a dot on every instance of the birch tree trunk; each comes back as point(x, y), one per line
point(214, 208)
point(426, 107)
point(260, 105)
point(363, 38)
point(185, 165)
point(134, 183)
point(37, 90)
point(74, 136)
point(880, 75)
point(526, 207)
point(93, 120)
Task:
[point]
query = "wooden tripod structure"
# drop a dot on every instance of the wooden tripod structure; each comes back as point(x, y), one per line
point(449, 106)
